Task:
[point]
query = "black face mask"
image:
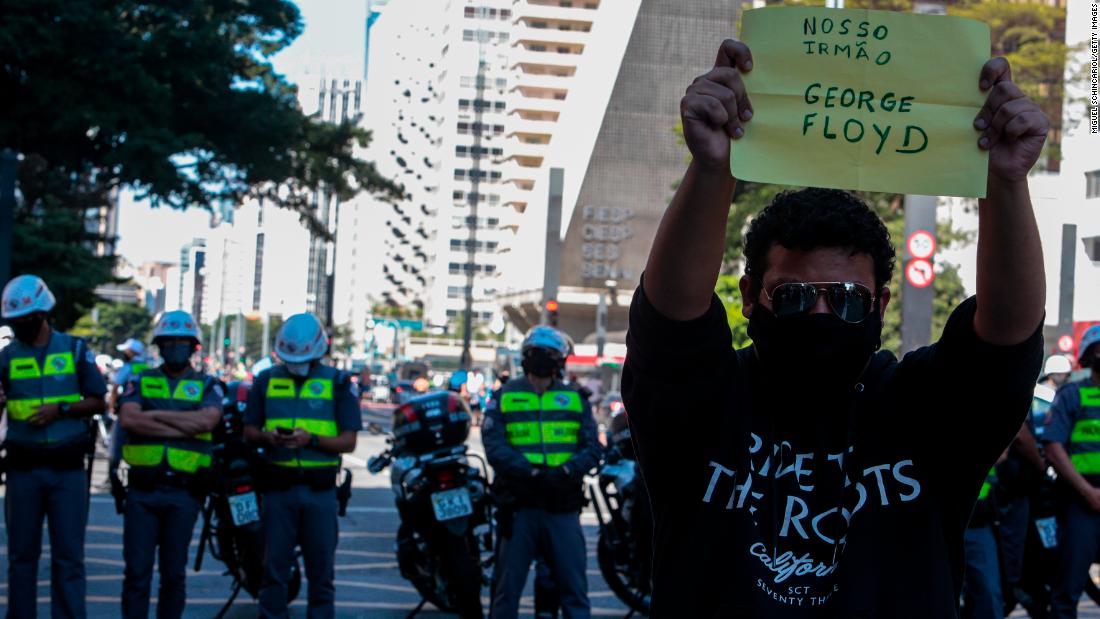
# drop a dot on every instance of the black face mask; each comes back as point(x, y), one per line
point(27, 330)
point(540, 363)
point(176, 356)
point(827, 352)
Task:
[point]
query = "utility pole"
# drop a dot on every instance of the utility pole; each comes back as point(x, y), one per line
point(466, 360)
point(551, 273)
point(265, 346)
point(920, 220)
point(9, 162)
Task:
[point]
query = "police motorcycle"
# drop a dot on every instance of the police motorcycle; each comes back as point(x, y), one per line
point(624, 549)
point(444, 543)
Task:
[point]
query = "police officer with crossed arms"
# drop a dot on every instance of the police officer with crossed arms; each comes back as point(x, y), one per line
point(540, 438)
point(168, 414)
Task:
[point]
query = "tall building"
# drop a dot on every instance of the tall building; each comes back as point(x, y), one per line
point(475, 110)
point(438, 90)
point(338, 102)
point(186, 282)
point(606, 122)
point(374, 11)
point(403, 114)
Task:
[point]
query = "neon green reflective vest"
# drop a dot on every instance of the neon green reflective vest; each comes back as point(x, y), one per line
point(162, 392)
point(544, 428)
point(987, 485)
point(1084, 441)
point(32, 385)
point(137, 366)
point(295, 402)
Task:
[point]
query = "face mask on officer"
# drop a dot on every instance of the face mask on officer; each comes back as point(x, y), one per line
point(26, 330)
point(540, 363)
point(176, 355)
point(299, 369)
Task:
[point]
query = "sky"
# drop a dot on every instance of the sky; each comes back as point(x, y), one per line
point(331, 45)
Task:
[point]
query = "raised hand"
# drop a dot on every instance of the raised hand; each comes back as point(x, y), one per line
point(1012, 125)
point(715, 106)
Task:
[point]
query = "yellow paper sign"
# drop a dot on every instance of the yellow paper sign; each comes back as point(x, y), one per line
point(867, 100)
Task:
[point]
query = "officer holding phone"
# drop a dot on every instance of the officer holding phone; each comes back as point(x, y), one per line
point(304, 414)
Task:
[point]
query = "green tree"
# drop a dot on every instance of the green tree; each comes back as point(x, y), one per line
point(1032, 37)
point(343, 340)
point(253, 335)
point(384, 310)
point(176, 100)
point(52, 240)
point(110, 324)
point(730, 295)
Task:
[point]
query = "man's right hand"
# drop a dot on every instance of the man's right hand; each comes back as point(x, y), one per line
point(716, 105)
point(1092, 498)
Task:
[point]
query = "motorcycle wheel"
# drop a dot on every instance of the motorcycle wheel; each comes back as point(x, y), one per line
point(617, 577)
point(462, 574)
point(416, 566)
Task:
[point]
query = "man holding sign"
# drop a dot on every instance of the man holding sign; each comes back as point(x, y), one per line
point(800, 477)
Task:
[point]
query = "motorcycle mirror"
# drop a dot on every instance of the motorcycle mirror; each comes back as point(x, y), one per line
point(375, 464)
point(374, 428)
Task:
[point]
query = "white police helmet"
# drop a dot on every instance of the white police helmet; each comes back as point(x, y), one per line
point(176, 323)
point(131, 345)
point(301, 339)
point(1057, 364)
point(24, 295)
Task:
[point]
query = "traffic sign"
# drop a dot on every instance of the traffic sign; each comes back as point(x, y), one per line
point(1065, 343)
point(922, 245)
point(919, 273)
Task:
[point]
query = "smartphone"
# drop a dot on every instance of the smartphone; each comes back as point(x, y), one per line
point(284, 431)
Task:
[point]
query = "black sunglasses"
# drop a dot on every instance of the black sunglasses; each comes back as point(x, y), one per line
point(850, 302)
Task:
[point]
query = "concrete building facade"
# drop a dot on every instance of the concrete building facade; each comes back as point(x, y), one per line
point(619, 157)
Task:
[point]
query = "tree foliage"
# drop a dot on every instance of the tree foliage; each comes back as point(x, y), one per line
point(1032, 37)
point(111, 324)
point(1029, 35)
point(253, 336)
point(175, 100)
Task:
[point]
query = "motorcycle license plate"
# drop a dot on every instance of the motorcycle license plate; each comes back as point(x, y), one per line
point(451, 504)
point(245, 509)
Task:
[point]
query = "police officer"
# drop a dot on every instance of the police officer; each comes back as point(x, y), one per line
point(305, 414)
point(168, 414)
point(134, 352)
point(540, 439)
point(52, 386)
point(982, 595)
point(1073, 447)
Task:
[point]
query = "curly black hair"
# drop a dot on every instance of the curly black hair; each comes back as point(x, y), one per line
point(810, 218)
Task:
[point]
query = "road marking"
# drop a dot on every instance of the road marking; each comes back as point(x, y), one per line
point(372, 510)
point(369, 585)
point(365, 566)
point(356, 461)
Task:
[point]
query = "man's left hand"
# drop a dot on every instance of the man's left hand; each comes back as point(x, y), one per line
point(44, 416)
point(1012, 125)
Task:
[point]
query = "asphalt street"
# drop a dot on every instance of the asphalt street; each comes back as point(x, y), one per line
point(367, 580)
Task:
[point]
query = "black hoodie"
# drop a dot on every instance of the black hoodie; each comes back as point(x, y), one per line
point(771, 500)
